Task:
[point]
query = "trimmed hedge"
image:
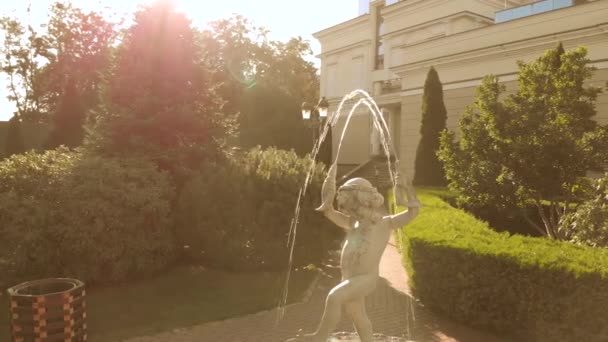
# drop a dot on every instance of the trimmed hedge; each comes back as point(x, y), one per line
point(532, 288)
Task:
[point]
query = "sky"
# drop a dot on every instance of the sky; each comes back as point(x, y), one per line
point(284, 18)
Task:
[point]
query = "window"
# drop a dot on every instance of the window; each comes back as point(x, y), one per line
point(358, 73)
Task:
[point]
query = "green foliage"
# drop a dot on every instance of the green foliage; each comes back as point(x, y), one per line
point(429, 170)
point(264, 81)
point(269, 120)
point(533, 148)
point(14, 137)
point(157, 99)
point(588, 225)
point(237, 215)
point(69, 214)
point(533, 288)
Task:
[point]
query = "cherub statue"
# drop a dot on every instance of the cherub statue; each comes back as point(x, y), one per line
point(368, 227)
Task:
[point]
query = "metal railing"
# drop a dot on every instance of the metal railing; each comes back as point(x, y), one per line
point(391, 86)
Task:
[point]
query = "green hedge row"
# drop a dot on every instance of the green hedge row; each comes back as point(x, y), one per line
point(534, 289)
point(69, 214)
point(108, 220)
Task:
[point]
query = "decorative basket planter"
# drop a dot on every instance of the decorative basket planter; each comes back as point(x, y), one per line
point(48, 310)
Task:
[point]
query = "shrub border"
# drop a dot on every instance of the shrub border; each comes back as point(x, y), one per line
point(533, 288)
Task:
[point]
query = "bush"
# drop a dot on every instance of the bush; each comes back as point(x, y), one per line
point(237, 216)
point(588, 225)
point(68, 214)
point(534, 288)
point(533, 148)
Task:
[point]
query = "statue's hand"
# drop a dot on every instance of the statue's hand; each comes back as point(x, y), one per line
point(402, 183)
point(328, 191)
point(406, 188)
point(332, 172)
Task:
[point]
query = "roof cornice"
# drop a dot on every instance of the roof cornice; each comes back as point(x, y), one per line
point(345, 48)
point(342, 26)
point(408, 6)
point(438, 20)
point(515, 48)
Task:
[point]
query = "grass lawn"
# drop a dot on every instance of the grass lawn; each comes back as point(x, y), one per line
point(183, 297)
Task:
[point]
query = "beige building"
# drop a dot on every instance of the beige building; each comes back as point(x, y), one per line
point(388, 49)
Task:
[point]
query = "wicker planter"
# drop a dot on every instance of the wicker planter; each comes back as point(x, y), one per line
point(48, 310)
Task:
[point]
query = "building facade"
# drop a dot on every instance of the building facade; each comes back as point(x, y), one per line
point(389, 48)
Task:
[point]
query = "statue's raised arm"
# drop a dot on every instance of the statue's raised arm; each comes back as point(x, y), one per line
point(406, 197)
point(328, 192)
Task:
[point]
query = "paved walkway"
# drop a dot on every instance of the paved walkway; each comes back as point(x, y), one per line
point(391, 309)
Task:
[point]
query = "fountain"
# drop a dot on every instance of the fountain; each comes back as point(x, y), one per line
point(368, 228)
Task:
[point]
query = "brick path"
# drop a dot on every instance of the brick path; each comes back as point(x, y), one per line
point(391, 309)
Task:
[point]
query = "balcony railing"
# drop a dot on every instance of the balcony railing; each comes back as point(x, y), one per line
point(387, 86)
point(531, 9)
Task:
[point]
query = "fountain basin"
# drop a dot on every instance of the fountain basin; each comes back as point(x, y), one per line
point(353, 337)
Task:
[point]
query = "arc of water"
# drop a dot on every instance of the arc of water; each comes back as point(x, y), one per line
point(387, 144)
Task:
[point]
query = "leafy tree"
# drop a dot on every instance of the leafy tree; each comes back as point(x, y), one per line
point(14, 137)
point(78, 45)
point(73, 46)
point(157, 100)
point(264, 81)
point(534, 148)
point(429, 170)
point(20, 62)
point(69, 119)
point(268, 120)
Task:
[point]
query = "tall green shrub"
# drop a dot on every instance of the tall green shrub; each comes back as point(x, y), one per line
point(429, 170)
point(70, 214)
point(237, 215)
point(533, 148)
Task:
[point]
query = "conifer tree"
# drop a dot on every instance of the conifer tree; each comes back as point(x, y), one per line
point(158, 101)
point(429, 170)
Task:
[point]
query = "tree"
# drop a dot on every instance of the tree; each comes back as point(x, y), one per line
point(68, 119)
point(73, 46)
point(158, 100)
point(534, 148)
point(429, 170)
point(77, 45)
point(20, 62)
point(14, 137)
point(264, 81)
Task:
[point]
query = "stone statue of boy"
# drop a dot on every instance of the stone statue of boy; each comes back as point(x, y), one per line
point(368, 228)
